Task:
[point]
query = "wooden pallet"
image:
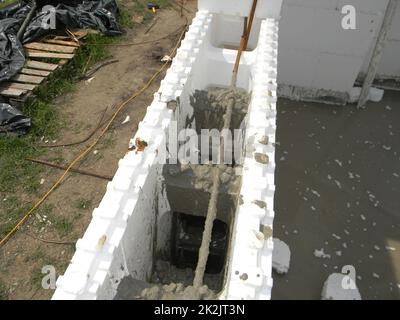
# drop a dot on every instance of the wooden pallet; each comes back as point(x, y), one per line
point(36, 71)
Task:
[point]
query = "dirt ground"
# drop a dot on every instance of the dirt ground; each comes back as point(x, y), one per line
point(72, 203)
point(337, 189)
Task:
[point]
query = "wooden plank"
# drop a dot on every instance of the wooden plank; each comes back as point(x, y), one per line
point(62, 62)
point(28, 79)
point(12, 92)
point(41, 65)
point(43, 54)
point(63, 42)
point(16, 85)
point(49, 47)
point(80, 34)
point(34, 72)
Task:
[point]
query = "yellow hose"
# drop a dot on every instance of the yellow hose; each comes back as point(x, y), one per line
point(84, 153)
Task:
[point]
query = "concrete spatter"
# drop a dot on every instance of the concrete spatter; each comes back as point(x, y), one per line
point(188, 189)
point(210, 106)
point(318, 145)
point(169, 283)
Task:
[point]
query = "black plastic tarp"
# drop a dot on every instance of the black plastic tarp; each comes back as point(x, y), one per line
point(100, 14)
point(13, 121)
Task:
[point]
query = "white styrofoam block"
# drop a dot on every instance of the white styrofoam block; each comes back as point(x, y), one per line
point(334, 288)
point(374, 95)
point(281, 257)
point(251, 258)
point(265, 9)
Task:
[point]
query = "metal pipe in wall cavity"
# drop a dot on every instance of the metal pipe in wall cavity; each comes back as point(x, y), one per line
point(377, 53)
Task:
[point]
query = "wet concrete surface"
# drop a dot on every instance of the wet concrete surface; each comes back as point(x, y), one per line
point(338, 189)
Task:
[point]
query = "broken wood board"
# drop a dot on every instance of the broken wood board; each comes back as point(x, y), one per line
point(35, 72)
point(41, 65)
point(44, 54)
point(28, 79)
point(49, 47)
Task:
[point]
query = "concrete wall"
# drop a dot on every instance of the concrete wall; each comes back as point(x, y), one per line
point(389, 67)
point(319, 59)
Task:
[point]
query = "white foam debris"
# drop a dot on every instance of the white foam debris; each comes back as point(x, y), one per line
point(321, 254)
point(280, 257)
point(340, 163)
point(336, 236)
point(313, 208)
point(344, 245)
point(338, 184)
point(396, 175)
point(375, 94)
point(390, 248)
point(316, 193)
point(346, 232)
point(377, 248)
point(362, 217)
point(375, 275)
point(339, 253)
point(387, 148)
point(388, 108)
point(340, 287)
point(42, 181)
point(351, 175)
point(127, 119)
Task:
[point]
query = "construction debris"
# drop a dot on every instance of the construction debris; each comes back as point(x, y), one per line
point(340, 287)
point(281, 257)
point(101, 15)
point(13, 121)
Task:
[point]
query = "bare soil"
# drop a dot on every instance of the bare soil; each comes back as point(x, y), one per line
point(72, 203)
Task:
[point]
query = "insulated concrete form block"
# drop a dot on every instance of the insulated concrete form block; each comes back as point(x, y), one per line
point(265, 9)
point(118, 241)
point(249, 275)
point(120, 238)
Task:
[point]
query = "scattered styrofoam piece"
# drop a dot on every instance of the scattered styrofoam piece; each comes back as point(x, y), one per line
point(281, 257)
point(375, 94)
point(321, 254)
point(335, 288)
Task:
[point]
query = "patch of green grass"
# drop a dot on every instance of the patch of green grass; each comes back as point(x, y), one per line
point(12, 209)
point(84, 204)
point(19, 175)
point(3, 292)
point(6, 3)
point(63, 226)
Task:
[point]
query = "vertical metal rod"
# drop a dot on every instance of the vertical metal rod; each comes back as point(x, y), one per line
point(377, 53)
point(243, 44)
